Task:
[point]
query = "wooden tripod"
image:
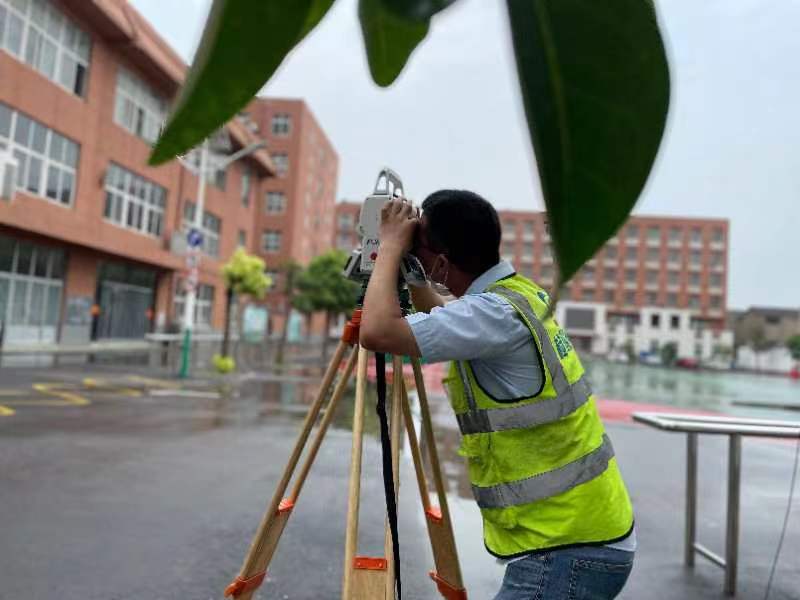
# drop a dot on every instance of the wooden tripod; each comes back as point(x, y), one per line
point(364, 578)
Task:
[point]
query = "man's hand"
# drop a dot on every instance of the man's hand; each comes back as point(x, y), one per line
point(399, 220)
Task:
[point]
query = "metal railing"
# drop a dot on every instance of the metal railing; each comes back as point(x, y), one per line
point(735, 429)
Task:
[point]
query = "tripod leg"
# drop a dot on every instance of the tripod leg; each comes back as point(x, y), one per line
point(440, 527)
point(274, 519)
point(398, 397)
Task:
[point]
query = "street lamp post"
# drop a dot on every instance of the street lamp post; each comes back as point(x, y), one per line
point(197, 224)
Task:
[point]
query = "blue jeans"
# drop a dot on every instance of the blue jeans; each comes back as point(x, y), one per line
point(583, 573)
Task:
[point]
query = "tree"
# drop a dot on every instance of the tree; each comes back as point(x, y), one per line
point(243, 275)
point(669, 354)
point(322, 287)
point(593, 77)
point(793, 344)
point(290, 270)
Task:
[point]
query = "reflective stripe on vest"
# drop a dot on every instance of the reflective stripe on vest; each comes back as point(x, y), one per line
point(569, 397)
point(528, 415)
point(549, 483)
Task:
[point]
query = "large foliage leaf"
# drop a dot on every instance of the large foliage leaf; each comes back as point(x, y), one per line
point(417, 10)
point(595, 86)
point(243, 43)
point(389, 39)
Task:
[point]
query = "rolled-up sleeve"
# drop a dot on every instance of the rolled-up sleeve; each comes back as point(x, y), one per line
point(474, 326)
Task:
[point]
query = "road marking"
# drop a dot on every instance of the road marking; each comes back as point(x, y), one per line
point(185, 393)
point(5, 411)
point(101, 385)
point(162, 383)
point(68, 397)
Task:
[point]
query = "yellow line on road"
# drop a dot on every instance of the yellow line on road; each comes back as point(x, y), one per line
point(5, 411)
point(103, 386)
point(52, 390)
point(154, 382)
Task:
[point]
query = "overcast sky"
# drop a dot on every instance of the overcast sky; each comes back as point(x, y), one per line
point(453, 118)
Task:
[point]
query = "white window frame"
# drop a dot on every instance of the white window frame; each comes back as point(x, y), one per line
point(281, 124)
point(274, 203)
point(49, 42)
point(246, 185)
point(203, 307)
point(137, 108)
point(131, 196)
point(64, 166)
point(281, 162)
point(268, 240)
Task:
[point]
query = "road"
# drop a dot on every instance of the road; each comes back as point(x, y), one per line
point(116, 485)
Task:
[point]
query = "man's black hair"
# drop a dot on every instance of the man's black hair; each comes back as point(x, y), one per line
point(465, 228)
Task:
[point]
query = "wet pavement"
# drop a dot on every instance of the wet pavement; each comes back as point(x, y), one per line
point(152, 489)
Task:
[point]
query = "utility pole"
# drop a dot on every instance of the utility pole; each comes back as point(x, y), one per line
point(193, 251)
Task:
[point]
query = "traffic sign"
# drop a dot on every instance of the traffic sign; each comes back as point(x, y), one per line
point(194, 238)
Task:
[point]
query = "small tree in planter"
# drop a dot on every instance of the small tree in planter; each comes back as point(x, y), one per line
point(243, 275)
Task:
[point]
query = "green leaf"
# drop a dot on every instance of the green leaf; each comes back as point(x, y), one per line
point(595, 86)
point(416, 10)
point(389, 39)
point(243, 43)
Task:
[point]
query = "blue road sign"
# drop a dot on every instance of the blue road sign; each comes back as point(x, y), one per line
point(194, 238)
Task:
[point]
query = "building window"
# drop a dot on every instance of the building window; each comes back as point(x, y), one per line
point(271, 240)
point(275, 203)
point(694, 301)
point(697, 235)
point(611, 252)
point(37, 33)
point(281, 162)
point(547, 251)
point(508, 248)
point(588, 295)
point(242, 240)
point(672, 300)
point(632, 254)
point(30, 284)
point(630, 275)
point(716, 302)
point(210, 228)
point(134, 202)
point(609, 295)
point(610, 274)
point(675, 234)
point(203, 307)
point(632, 233)
point(138, 109)
point(655, 320)
point(281, 124)
point(215, 166)
point(716, 280)
point(718, 235)
point(529, 227)
point(694, 279)
point(630, 298)
point(716, 259)
point(245, 190)
point(47, 161)
point(653, 255)
point(675, 322)
point(652, 299)
point(672, 278)
point(694, 258)
point(346, 222)
point(653, 233)
point(345, 242)
point(547, 272)
point(588, 274)
point(652, 277)
point(674, 257)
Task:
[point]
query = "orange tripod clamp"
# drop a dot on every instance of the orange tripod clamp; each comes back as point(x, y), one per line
point(448, 591)
point(239, 586)
point(350, 331)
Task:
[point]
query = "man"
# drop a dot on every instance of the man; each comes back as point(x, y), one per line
point(543, 472)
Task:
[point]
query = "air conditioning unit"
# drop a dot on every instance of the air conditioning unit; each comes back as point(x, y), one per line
point(8, 176)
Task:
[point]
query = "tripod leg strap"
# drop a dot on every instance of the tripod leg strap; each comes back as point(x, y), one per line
point(388, 476)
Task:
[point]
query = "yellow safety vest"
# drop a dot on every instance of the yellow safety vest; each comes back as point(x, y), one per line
point(542, 468)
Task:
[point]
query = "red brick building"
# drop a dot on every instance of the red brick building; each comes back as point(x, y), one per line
point(86, 244)
point(652, 261)
point(295, 217)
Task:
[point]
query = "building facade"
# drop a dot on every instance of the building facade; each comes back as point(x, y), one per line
point(296, 209)
point(762, 326)
point(90, 243)
point(663, 262)
point(345, 237)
